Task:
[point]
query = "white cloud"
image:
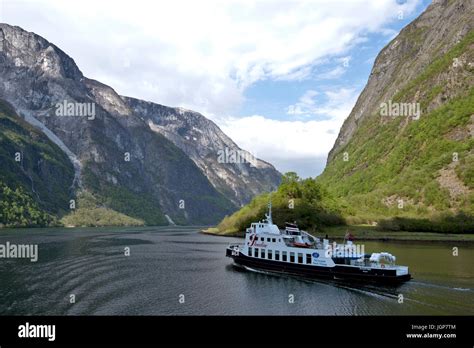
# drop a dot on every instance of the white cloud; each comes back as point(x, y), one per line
point(332, 74)
point(200, 54)
point(300, 141)
point(336, 72)
point(337, 103)
point(305, 104)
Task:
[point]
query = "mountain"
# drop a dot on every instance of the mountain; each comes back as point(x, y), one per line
point(203, 141)
point(29, 159)
point(404, 157)
point(28, 195)
point(406, 149)
point(120, 161)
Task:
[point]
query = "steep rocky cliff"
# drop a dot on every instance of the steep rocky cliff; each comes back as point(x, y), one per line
point(407, 146)
point(118, 155)
point(203, 141)
point(28, 162)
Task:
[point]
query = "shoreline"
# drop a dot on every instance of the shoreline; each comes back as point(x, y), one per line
point(368, 233)
point(360, 233)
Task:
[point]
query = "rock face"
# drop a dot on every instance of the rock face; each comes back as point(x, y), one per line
point(440, 27)
point(117, 151)
point(238, 179)
point(403, 157)
point(29, 160)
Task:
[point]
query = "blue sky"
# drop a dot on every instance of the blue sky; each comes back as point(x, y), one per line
point(351, 70)
point(279, 77)
point(309, 97)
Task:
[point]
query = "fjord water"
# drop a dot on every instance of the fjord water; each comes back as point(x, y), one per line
point(166, 263)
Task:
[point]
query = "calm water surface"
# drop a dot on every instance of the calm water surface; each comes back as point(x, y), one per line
point(167, 262)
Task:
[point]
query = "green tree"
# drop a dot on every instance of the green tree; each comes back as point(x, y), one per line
point(290, 185)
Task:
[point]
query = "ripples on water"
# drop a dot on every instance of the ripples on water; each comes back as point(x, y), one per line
point(171, 261)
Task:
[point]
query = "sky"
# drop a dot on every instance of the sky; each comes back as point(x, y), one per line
point(278, 77)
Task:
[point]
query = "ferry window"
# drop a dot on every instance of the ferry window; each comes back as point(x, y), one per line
point(308, 259)
point(262, 253)
point(268, 239)
point(283, 255)
point(270, 254)
point(262, 239)
point(274, 240)
point(300, 258)
point(277, 255)
point(255, 254)
point(292, 257)
point(250, 251)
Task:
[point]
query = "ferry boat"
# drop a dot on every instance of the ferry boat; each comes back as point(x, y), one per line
point(295, 252)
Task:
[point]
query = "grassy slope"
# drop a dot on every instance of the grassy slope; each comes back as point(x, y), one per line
point(18, 209)
point(299, 200)
point(90, 213)
point(402, 159)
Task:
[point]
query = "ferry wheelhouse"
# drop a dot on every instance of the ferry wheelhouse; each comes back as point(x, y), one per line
point(296, 252)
